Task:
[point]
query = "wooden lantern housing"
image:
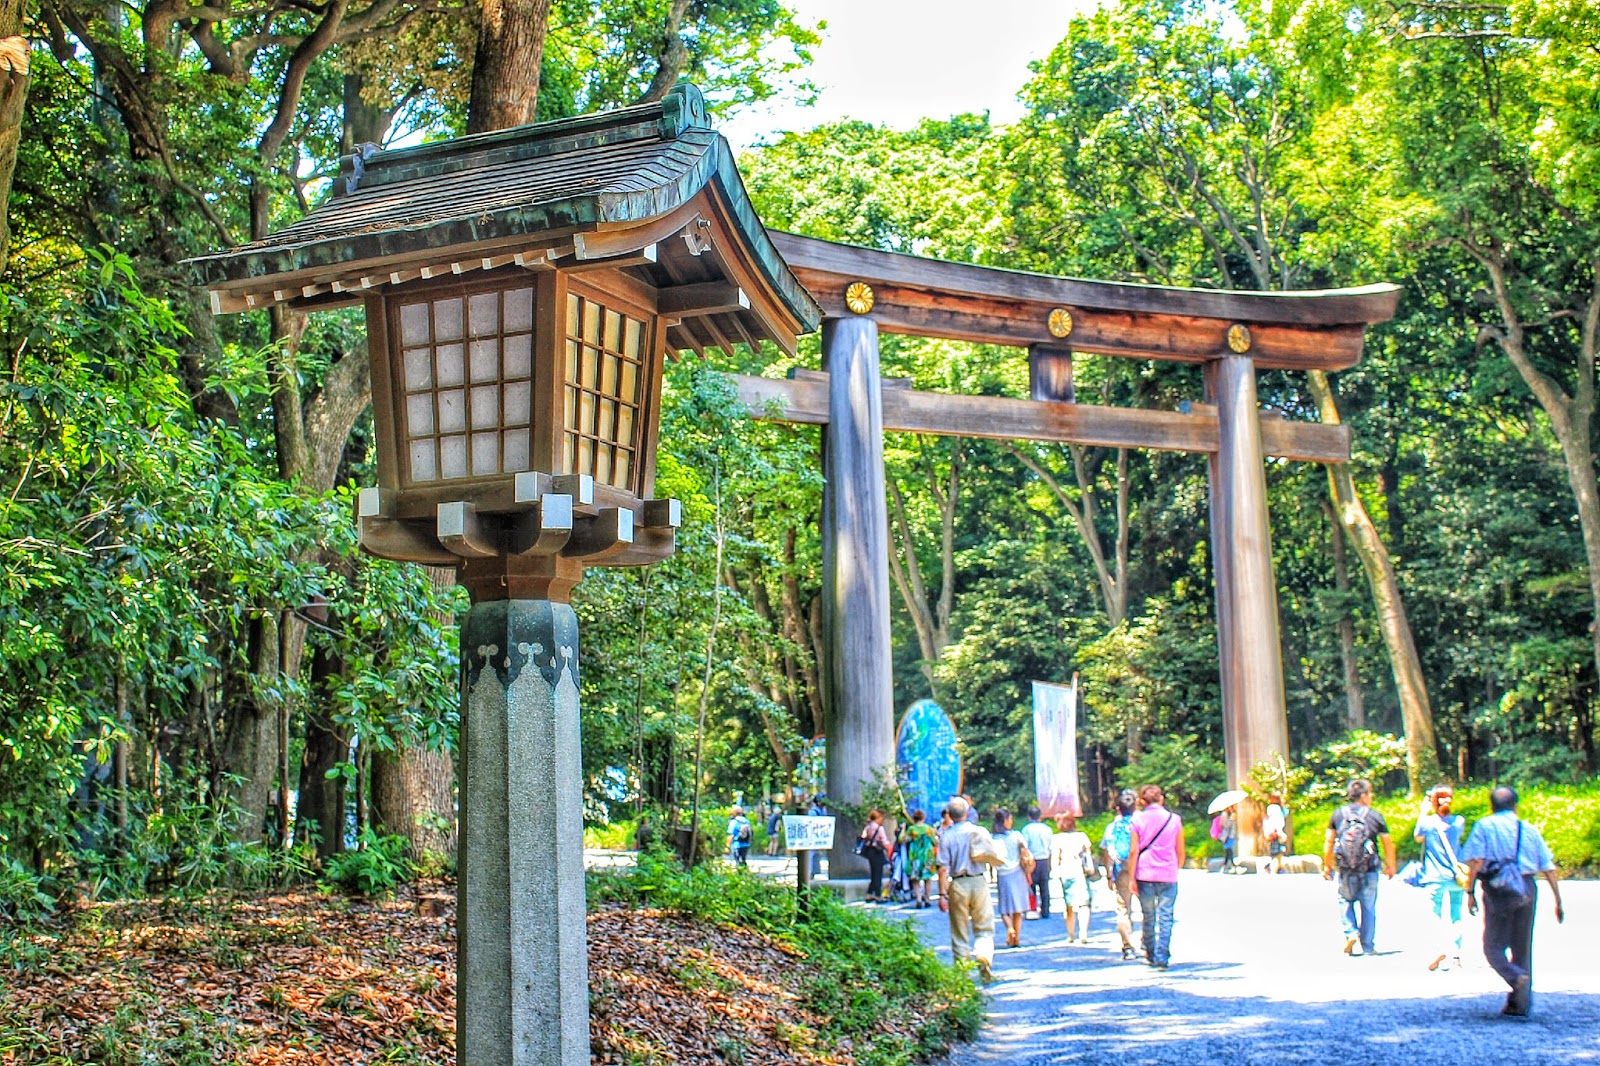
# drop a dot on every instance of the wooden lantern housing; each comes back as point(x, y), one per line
point(522, 289)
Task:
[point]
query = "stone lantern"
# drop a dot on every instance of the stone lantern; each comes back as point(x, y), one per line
point(522, 290)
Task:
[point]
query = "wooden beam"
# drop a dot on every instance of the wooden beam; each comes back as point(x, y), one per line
point(1005, 418)
point(707, 298)
point(1166, 335)
point(1357, 307)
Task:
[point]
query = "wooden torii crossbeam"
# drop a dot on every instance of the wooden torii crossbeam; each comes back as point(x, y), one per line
point(863, 291)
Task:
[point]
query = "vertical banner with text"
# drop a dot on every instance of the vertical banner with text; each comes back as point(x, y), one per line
point(1055, 747)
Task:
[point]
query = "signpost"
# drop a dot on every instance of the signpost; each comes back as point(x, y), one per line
point(804, 834)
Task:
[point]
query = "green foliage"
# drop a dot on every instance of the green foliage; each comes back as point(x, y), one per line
point(1377, 757)
point(1568, 817)
point(377, 866)
point(1276, 775)
point(1186, 770)
point(22, 898)
point(862, 969)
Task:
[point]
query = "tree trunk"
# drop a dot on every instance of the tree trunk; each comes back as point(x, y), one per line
point(13, 95)
point(250, 750)
point(1112, 576)
point(413, 795)
point(413, 790)
point(1422, 747)
point(930, 617)
point(1355, 705)
point(1571, 416)
point(505, 71)
point(322, 799)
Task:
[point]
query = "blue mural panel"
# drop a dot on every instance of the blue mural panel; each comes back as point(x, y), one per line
point(930, 765)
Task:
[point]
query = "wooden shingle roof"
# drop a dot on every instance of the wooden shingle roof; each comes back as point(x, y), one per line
point(596, 187)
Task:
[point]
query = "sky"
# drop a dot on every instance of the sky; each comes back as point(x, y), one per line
point(892, 62)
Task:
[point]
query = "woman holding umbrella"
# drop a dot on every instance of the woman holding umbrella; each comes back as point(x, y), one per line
point(1225, 826)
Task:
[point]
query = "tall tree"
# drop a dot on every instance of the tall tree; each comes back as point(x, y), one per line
point(506, 65)
point(1166, 123)
point(13, 94)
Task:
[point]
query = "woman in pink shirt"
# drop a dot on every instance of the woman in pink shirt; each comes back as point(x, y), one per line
point(1154, 859)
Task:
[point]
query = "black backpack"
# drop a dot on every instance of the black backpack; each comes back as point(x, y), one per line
point(744, 831)
point(1353, 849)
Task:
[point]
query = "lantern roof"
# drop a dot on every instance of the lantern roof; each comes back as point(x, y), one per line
point(650, 189)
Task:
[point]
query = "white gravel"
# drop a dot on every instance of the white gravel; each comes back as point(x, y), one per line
point(1258, 976)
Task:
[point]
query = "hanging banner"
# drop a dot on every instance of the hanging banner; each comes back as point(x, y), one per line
point(930, 765)
point(1055, 747)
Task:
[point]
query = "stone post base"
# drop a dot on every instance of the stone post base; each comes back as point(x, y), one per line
point(522, 994)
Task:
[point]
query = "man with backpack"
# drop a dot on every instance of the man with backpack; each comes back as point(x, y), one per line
point(1506, 854)
point(1115, 844)
point(1355, 834)
point(740, 837)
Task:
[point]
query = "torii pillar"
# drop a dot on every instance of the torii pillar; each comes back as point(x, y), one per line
point(855, 578)
point(1255, 719)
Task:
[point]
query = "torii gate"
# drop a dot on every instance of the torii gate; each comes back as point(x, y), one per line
point(863, 291)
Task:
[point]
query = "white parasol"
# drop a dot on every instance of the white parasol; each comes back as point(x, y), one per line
point(1227, 799)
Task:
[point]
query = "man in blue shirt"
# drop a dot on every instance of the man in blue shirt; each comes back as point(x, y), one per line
point(1037, 836)
point(1506, 853)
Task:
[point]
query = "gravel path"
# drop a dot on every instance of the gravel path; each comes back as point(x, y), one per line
point(1258, 977)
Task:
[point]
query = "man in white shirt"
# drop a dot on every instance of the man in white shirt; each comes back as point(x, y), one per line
point(1037, 836)
point(1506, 854)
point(964, 890)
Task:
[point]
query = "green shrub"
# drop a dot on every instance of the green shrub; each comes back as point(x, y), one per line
point(864, 968)
point(1187, 771)
point(1378, 757)
point(22, 896)
point(376, 868)
point(1568, 816)
point(617, 835)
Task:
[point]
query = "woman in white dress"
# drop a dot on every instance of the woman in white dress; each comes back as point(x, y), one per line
point(1010, 876)
point(1072, 860)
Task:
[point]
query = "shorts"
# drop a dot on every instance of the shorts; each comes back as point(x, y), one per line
point(1275, 848)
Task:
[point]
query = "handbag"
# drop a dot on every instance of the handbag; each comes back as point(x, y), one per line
point(1463, 875)
point(1026, 857)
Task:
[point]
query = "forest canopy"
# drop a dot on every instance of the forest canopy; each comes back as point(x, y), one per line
point(189, 635)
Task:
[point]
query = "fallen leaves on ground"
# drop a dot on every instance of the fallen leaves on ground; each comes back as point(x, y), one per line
point(304, 979)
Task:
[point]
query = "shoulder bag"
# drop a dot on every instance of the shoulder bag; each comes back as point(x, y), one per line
point(1459, 867)
point(1151, 842)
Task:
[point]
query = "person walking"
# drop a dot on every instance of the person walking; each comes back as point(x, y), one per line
point(775, 831)
point(920, 845)
point(964, 890)
point(1275, 828)
point(740, 836)
point(1073, 859)
point(1350, 849)
point(873, 845)
point(1225, 831)
point(818, 809)
point(1036, 834)
point(1439, 833)
point(1012, 876)
point(1115, 845)
point(1506, 854)
point(1155, 856)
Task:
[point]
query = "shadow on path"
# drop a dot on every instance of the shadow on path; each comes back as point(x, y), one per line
point(1159, 1024)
